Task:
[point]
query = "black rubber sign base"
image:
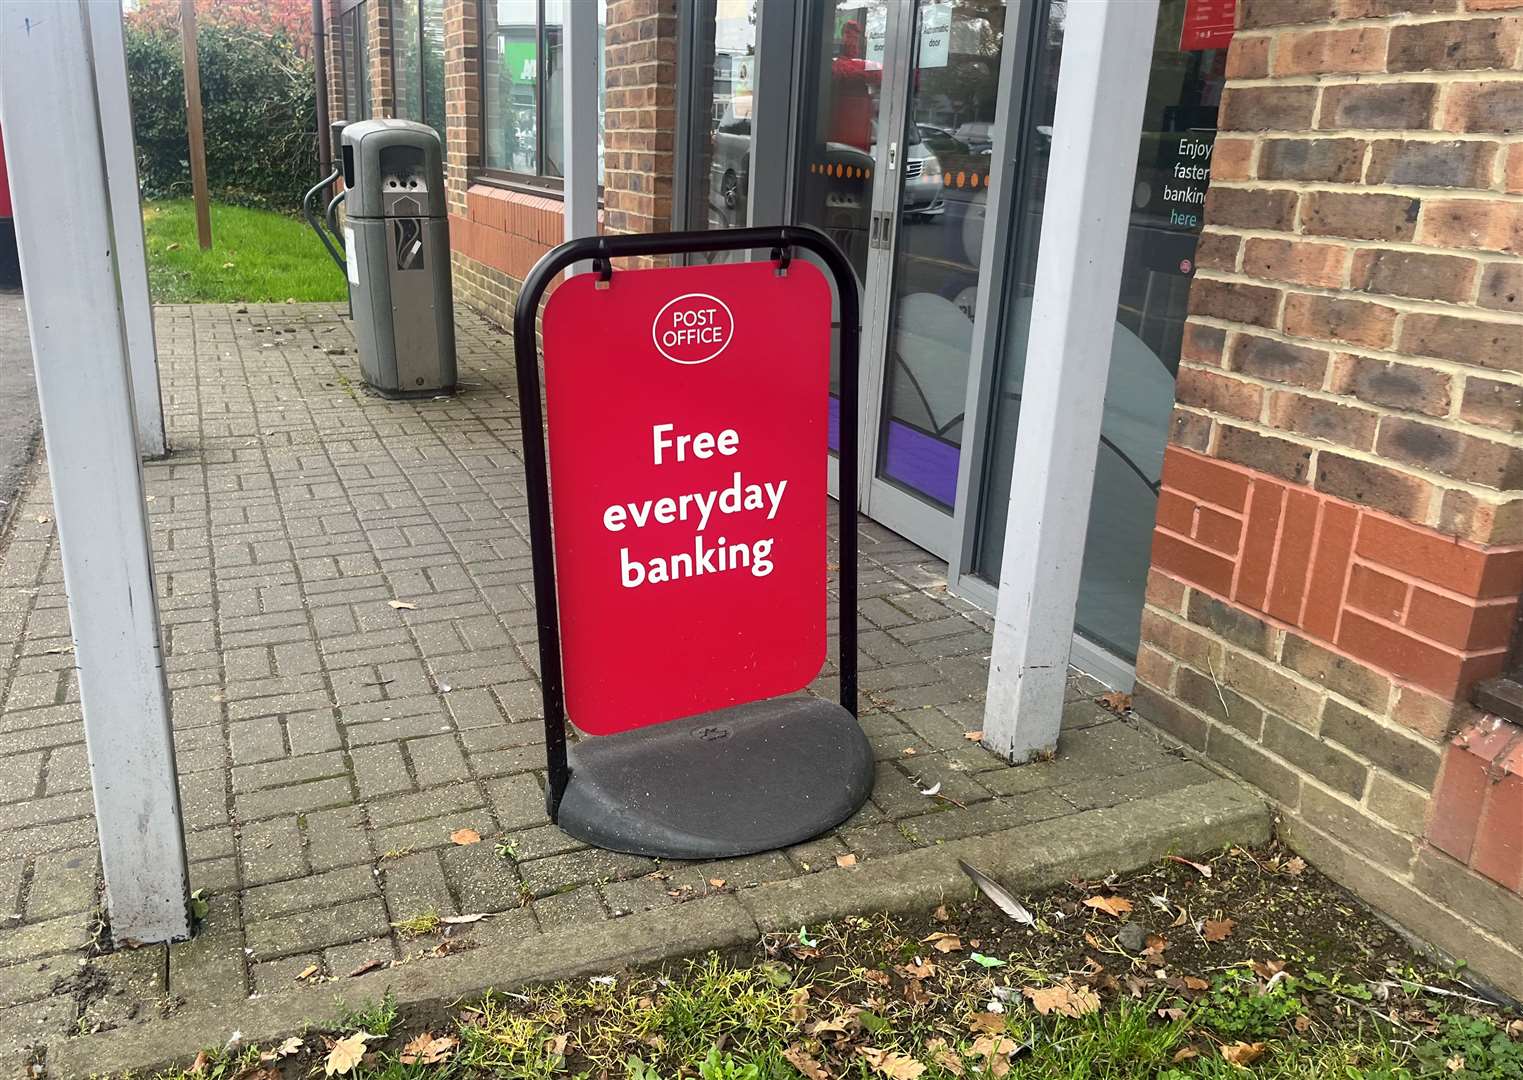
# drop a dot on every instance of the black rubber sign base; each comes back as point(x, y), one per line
point(734, 781)
point(731, 782)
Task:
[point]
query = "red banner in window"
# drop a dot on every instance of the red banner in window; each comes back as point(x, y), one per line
point(1208, 24)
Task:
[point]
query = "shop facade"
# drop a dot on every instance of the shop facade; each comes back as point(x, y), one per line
point(1303, 546)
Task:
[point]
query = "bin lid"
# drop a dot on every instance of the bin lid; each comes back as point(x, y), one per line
point(386, 157)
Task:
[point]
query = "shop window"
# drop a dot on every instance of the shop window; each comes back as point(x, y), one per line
point(417, 61)
point(1173, 167)
point(354, 60)
point(719, 157)
point(522, 72)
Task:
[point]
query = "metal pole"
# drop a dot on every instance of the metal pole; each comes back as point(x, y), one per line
point(320, 61)
point(53, 142)
point(579, 127)
point(193, 128)
point(127, 222)
point(1101, 89)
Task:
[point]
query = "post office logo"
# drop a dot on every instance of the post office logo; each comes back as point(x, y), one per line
point(693, 329)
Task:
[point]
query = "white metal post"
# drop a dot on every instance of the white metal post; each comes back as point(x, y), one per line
point(54, 147)
point(127, 222)
point(579, 54)
point(1102, 84)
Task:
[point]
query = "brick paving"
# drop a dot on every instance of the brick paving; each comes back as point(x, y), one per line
point(329, 743)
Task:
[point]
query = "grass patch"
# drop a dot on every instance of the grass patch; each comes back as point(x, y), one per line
point(257, 256)
point(1303, 985)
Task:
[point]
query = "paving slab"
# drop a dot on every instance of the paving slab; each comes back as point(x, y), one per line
point(332, 745)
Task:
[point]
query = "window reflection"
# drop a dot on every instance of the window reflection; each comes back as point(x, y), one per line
point(1173, 160)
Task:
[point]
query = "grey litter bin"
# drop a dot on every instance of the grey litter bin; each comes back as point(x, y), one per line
point(396, 241)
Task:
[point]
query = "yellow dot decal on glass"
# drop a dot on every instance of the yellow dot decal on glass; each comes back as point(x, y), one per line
point(961, 178)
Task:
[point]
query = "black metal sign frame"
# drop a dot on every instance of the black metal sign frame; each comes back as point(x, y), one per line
point(601, 250)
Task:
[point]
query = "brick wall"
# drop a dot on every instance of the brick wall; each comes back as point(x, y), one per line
point(382, 98)
point(498, 233)
point(1339, 544)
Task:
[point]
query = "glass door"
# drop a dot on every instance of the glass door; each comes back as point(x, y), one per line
point(933, 233)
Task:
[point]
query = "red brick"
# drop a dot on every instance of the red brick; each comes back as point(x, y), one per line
point(1502, 286)
point(1277, 457)
point(1319, 418)
point(1204, 479)
point(1460, 796)
point(1195, 564)
point(1422, 554)
point(1460, 625)
point(1458, 163)
point(1326, 52)
point(1456, 45)
point(1419, 275)
point(1255, 14)
point(1217, 251)
point(1190, 430)
point(1337, 160)
point(1175, 512)
point(1218, 531)
point(1329, 571)
point(1295, 261)
point(1361, 106)
point(1411, 658)
point(1492, 403)
point(1396, 386)
point(1203, 344)
point(1514, 172)
point(1165, 592)
point(1298, 527)
point(1498, 850)
point(1329, 318)
point(1260, 536)
point(1277, 361)
point(1235, 302)
point(1223, 394)
point(1251, 208)
point(1248, 56)
point(1377, 594)
point(1268, 108)
point(1232, 159)
point(1448, 452)
point(1479, 520)
point(1494, 106)
point(1361, 216)
point(1480, 224)
point(1491, 343)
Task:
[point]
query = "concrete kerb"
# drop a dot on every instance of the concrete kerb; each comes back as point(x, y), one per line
point(1088, 844)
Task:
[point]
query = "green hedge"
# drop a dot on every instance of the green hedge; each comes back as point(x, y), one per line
point(259, 113)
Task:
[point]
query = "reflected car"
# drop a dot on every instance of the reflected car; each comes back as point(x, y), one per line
point(977, 136)
point(942, 141)
point(923, 186)
point(730, 174)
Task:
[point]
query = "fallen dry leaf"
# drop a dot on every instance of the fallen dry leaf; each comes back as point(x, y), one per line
point(307, 972)
point(943, 943)
point(1194, 983)
point(365, 968)
point(346, 1053)
point(1267, 969)
point(1116, 701)
point(801, 1060)
point(944, 1056)
point(987, 1023)
point(846, 861)
point(1185, 1053)
point(1063, 998)
point(941, 914)
point(198, 1067)
point(1218, 929)
point(893, 1065)
point(1294, 866)
point(402, 605)
point(428, 1049)
point(973, 736)
point(461, 920)
point(465, 836)
point(291, 1046)
point(716, 882)
point(1243, 1054)
point(1201, 868)
point(996, 1051)
point(917, 969)
point(1515, 1029)
point(555, 1046)
point(1114, 906)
